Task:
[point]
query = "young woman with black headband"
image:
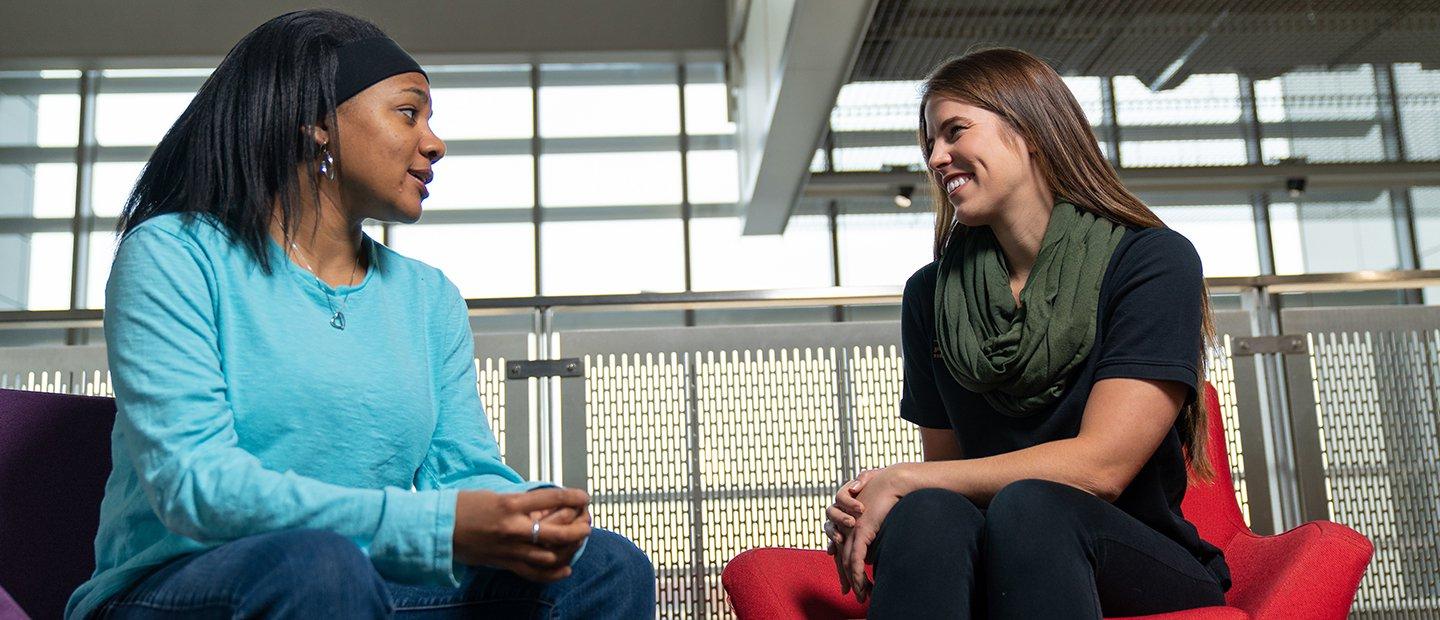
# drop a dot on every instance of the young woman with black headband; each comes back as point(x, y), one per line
point(1053, 362)
point(298, 429)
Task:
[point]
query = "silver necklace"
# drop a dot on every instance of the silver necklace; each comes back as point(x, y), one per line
point(337, 318)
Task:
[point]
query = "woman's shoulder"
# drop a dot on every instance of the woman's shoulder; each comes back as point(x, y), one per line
point(415, 273)
point(1148, 250)
point(1156, 243)
point(197, 228)
point(1152, 265)
point(921, 284)
point(177, 239)
point(918, 300)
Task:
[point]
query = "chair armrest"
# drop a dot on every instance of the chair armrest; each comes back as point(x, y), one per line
point(1311, 571)
point(786, 584)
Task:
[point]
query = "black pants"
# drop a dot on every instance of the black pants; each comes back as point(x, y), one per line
point(1041, 550)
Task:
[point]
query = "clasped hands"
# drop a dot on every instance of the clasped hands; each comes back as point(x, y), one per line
point(853, 521)
point(500, 530)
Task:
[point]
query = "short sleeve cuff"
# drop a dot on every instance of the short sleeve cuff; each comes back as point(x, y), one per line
point(1147, 369)
point(928, 417)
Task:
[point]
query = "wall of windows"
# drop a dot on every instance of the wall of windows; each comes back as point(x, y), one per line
point(572, 179)
point(1364, 114)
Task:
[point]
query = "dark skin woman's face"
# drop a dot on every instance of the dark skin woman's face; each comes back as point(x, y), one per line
point(386, 150)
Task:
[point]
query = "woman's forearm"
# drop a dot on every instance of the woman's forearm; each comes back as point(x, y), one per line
point(1068, 461)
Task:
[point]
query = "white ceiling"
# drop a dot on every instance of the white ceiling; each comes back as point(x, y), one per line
point(90, 33)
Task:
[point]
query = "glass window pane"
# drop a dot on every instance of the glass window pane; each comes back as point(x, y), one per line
point(580, 179)
point(877, 157)
point(111, 185)
point(612, 257)
point(39, 110)
point(874, 126)
point(1087, 92)
point(39, 190)
point(1333, 233)
point(1224, 236)
point(714, 176)
point(475, 182)
point(1181, 152)
point(1426, 202)
point(881, 244)
point(1199, 100)
point(137, 119)
point(1194, 124)
point(1320, 116)
point(870, 106)
point(599, 109)
point(722, 259)
point(54, 190)
point(35, 271)
point(707, 102)
point(483, 260)
point(817, 162)
point(482, 113)
point(1418, 91)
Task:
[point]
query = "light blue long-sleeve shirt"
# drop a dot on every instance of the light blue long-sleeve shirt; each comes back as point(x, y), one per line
point(242, 411)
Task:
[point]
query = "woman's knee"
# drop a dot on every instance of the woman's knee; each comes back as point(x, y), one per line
point(934, 507)
point(931, 518)
point(613, 577)
point(1029, 495)
point(314, 562)
point(1033, 509)
point(613, 557)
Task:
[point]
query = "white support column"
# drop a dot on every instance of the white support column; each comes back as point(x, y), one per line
point(787, 64)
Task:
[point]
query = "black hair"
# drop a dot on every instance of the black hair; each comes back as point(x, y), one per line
point(235, 149)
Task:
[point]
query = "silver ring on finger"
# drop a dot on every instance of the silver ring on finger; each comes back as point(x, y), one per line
point(535, 532)
point(829, 528)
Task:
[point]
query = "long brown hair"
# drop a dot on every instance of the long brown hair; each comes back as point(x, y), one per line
point(1037, 104)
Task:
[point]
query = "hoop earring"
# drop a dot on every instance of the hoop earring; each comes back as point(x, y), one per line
point(327, 163)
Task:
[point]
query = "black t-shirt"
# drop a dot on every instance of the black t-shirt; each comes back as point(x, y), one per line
point(1148, 327)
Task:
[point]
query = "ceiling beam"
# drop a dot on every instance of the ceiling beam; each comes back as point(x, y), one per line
point(786, 72)
point(1175, 73)
point(86, 34)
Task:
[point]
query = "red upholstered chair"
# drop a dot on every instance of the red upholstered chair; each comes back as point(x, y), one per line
point(1311, 571)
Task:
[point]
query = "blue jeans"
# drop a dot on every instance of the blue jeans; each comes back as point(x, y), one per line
point(312, 574)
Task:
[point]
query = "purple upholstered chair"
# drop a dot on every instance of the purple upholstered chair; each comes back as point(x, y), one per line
point(54, 458)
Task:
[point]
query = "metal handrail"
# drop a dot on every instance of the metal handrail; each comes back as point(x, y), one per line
point(799, 297)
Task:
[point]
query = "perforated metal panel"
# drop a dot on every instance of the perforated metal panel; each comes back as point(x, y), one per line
point(67, 370)
point(1376, 377)
point(507, 403)
point(734, 438)
point(875, 381)
point(1220, 372)
point(490, 382)
point(642, 465)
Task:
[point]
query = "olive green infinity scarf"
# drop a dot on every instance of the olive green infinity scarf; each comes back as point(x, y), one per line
point(1018, 358)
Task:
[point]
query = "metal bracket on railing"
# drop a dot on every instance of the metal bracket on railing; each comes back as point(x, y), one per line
point(526, 369)
point(1259, 345)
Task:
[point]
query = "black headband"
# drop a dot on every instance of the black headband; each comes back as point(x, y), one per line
point(363, 62)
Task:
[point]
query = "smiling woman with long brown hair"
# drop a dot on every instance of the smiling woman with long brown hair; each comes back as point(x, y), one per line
point(298, 430)
point(1054, 361)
